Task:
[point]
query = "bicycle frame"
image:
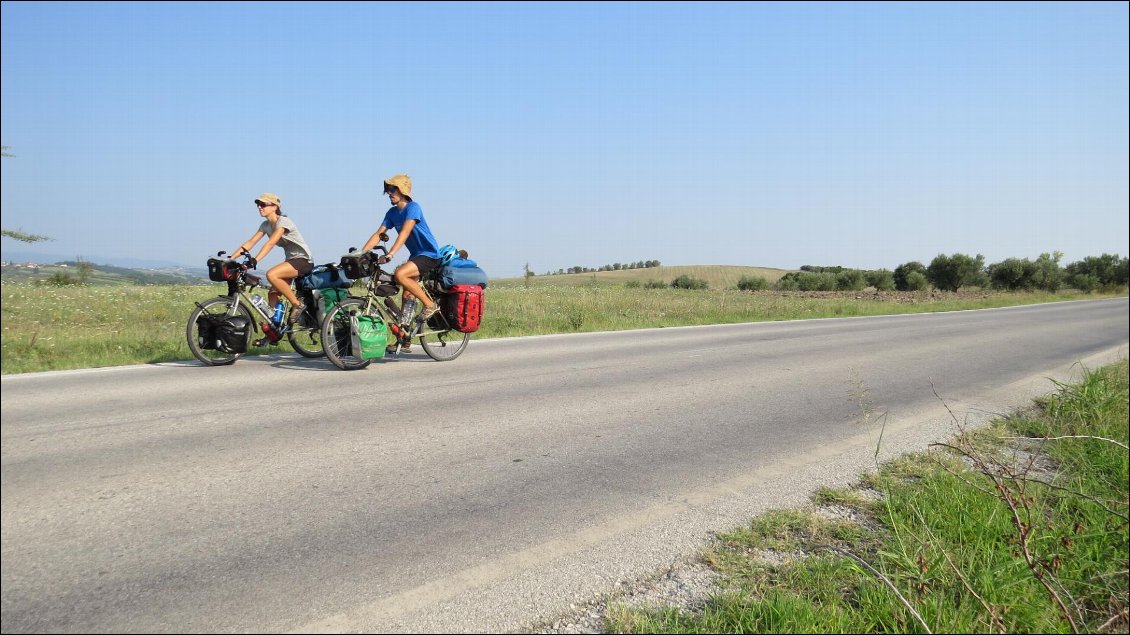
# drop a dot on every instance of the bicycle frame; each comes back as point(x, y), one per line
point(436, 337)
point(240, 289)
point(373, 291)
point(303, 333)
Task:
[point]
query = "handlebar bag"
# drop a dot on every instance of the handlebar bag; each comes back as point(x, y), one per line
point(357, 266)
point(325, 277)
point(463, 307)
point(220, 270)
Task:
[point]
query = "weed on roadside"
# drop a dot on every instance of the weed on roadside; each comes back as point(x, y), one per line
point(1017, 527)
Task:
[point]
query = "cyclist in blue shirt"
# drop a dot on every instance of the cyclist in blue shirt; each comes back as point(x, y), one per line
point(406, 217)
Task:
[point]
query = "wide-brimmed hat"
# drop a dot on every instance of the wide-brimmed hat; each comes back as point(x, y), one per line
point(401, 182)
point(270, 199)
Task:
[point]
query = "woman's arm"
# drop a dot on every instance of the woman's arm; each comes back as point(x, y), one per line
point(246, 246)
point(271, 242)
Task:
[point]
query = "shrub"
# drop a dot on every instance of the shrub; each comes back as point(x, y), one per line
point(903, 271)
point(752, 283)
point(61, 279)
point(632, 284)
point(1108, 270)
point(807, 281)
point(655, 284)
point(881, 279)
point(1084, 281)
point(916, 281)
point(1012, 274)
point(850, 280)
point(950, 273)
point(1048, 274)
point(687, 282)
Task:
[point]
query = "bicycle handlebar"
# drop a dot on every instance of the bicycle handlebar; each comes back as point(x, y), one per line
point(245, 265)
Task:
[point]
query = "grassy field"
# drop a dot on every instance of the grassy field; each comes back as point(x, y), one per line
point(56, 328)
point(1020, 527)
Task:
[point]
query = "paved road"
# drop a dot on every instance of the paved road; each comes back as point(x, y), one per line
point(281, 494)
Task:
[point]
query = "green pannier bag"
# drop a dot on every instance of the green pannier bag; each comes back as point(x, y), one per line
point(331, 298)
point(370, 336)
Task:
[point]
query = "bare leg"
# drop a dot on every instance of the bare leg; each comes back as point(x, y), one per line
point(280, 276)
point(408, 276)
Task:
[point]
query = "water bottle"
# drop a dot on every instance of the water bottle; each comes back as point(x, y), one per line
point(409, 309)
point(278, 317)
point(260, 304)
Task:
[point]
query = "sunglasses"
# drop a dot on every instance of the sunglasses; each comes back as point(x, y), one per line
point(262, 204)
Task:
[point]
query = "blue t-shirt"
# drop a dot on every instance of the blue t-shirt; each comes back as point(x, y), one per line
point(420, 242)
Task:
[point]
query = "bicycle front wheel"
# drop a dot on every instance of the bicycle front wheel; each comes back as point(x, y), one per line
point(305, 334)
point(337, 334)
point(216, 306)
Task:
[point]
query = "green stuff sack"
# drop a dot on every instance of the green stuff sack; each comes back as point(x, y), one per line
point(370, 336)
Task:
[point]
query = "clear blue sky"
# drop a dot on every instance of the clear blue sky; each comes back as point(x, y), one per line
point(864, 135)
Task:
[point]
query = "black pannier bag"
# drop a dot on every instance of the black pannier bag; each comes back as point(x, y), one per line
point(207, 326)
point(222, 270)
point(357, 265)
point(232, 334)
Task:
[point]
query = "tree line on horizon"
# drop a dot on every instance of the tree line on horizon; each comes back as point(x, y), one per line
point(945, 273)
point(954, 271)
point(616, 266)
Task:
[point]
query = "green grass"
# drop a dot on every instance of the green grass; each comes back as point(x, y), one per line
point(945, 535)
point(57, 328)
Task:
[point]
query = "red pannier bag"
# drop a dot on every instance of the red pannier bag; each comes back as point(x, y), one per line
point(465, 307)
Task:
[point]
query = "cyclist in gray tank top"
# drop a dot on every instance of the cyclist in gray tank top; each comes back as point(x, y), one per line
point(281, 231)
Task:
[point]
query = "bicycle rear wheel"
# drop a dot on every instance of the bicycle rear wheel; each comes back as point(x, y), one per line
point(305, 334)
point(216, 306)
point(445, 346)
point(337, 335)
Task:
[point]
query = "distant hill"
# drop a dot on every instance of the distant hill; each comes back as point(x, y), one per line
point(21, 255)
point(716, 276)
point(104, 274)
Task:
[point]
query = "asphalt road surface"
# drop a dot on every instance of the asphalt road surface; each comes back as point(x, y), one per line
point(281, 494)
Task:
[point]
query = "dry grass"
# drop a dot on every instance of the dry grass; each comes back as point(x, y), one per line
point(717, 276)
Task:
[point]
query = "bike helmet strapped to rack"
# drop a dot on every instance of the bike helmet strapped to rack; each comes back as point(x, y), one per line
point(447, 253)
